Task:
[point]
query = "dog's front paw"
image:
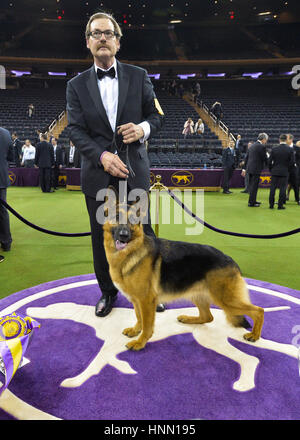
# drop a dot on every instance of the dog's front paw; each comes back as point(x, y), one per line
point(136, 345)
point(131, 332)
point(250, 337)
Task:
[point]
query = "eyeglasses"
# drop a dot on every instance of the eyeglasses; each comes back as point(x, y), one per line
point(108, 34)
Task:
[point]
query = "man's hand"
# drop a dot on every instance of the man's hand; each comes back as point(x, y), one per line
point(131, 132)
point(113, 165)
point(243, 173)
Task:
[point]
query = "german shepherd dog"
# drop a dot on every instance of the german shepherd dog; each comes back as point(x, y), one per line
point(151, 270)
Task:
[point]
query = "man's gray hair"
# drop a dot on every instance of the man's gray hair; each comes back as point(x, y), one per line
point(262, 136)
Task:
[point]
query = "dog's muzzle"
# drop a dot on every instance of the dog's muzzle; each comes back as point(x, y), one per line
point(123, 236)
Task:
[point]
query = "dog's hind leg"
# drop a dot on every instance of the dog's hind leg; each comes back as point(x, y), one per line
point(204, 312)
point(134, 331)
point(147, 308)
point(231, 294)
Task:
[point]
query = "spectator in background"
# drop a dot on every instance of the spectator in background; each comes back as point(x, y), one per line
point(58, 162)
point(228, 163)
point(188, 127)
point(28, 155)
point(245, 173)
point(72, 156)
point(297, 157)
point(293, 172)
point(239, 144)
point(197, 92)
point(281, 160)
point(199, 127)
point(181, 90)
point(6, 154)
point(30, 110)
point(44, 160)
point(216, 109)
point(255, 163)
point(17, 149)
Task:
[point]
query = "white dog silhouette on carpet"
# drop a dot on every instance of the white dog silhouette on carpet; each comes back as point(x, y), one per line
point(213, 336)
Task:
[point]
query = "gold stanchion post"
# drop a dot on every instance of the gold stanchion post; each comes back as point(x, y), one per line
point(157, 186)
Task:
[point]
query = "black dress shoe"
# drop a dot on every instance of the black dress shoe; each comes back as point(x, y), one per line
point(254, 205)
point(104, 305)
point(271, 207)
point(6, 247)
point(245, 192)
point(227, 192)
point(281, 207)
point(160, 308)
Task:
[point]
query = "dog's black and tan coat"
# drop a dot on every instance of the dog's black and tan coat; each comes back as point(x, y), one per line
point(153, 270)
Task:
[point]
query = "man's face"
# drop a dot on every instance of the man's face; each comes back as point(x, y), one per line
point(289, 141)
point(104, 49)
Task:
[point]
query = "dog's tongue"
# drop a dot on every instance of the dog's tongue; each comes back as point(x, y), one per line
point(120, 245)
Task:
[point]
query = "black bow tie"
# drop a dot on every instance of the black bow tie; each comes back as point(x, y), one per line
point(111, 72)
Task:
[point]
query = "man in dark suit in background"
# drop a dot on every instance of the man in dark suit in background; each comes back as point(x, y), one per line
point(72, 156)
point(293, 172)
point(228, 163)
point(44, 160)
point(254, 163)
point(6, 154)
point(281, 160)
point(111, 108)
point(58, 162)
point(17, 148)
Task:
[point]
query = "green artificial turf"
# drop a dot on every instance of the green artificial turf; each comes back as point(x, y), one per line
point(36, 258)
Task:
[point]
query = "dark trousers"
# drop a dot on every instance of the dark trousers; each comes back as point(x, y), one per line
point(294, 182)
point(228, 172)
point(5, 235)
point(253, 187)
point(54, 176)
point(281, 183)
point(101, 266)
point(45, 179)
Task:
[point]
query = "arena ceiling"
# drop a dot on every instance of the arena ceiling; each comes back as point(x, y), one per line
point(153, 12)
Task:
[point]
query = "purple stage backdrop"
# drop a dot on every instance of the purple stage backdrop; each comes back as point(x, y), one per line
point(180, 178)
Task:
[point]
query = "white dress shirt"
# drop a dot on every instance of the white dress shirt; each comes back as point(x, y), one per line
point(29, 153)
point(109, 91)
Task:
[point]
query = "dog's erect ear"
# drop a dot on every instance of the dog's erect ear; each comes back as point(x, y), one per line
point(107, 210)
point(139, 206)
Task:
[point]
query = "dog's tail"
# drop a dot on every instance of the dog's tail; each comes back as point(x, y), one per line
point(238, 321)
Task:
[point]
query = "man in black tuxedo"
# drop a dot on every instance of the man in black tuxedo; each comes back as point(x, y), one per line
point(17, 148)
point(58, 162)
point(254, 163)
point(293, 181)
point(72, 156)
point(6, 154)
point(281, 160)
point(228, 163)
point(111, 108)
point(44, 160)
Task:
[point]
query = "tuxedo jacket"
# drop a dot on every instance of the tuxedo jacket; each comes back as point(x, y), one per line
point(58, 158)
point(6, 154)
point(256, 158)
point(297, 155)
point(228, 158)
point(281, 160)
point(91, 131)
point(44, 155)
point(77, 158)
point(17, 149)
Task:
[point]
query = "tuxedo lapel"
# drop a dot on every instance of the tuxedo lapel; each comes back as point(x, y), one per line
point(92, 86)
point(123, 89)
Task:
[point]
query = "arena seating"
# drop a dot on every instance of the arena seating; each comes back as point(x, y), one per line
point(48, 103)
point(251, 107)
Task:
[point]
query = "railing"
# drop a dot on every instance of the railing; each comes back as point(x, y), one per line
point(56, 121)
point(220, 124)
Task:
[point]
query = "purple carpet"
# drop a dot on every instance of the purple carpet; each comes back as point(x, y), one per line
point(80, 369)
